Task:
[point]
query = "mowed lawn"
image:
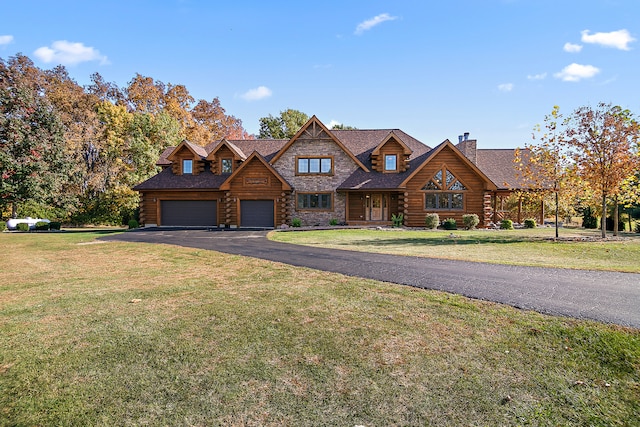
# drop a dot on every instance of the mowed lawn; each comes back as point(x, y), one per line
point(137, 334)
point(575, 248)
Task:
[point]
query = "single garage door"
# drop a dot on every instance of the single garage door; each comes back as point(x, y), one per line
point(256, 213)
point(189, 212)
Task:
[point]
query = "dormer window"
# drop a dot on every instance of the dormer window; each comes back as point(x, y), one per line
point(226, 166)
point(390, 162)
point(187, 166)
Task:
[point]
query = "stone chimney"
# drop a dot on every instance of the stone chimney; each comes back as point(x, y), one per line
point(468, 147)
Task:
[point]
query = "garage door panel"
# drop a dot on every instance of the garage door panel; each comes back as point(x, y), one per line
point(256, 213)
point(189, 213)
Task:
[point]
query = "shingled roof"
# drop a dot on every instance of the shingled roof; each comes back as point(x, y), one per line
point(362, 142)
point(498, 165)
point(166, 180)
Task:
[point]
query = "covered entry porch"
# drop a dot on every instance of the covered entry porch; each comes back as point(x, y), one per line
point(372, 207)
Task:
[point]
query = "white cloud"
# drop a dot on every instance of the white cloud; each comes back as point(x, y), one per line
point(68, 53)
point(572, 48)
point(333, 123)
point(576, 72)
point(370, 23)
point(540, 76)
point(261, 92)
point(5, 40)
point(505, 87)
point(617, 39)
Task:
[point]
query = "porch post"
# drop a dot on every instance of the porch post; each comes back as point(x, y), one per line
point(486, 209)
point(520, 209)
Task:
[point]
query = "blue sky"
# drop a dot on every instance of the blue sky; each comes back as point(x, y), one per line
point(434, 69)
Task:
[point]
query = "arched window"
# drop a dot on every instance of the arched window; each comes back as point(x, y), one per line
point(444, 191)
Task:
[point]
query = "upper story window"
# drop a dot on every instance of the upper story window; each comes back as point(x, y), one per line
point(314, 165)
point(187, 166)
point(226, 166)
point(390, 162)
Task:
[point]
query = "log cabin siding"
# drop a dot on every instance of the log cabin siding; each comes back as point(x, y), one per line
point(255, 182)
point(185, 154)
point(473, 195)
point(223, 153)
point(391, 147)
point(150, 202)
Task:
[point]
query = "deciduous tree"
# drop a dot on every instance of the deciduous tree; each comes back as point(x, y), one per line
point(34, 161)
point(284, 126)
point(603, 144)
point(544, 166)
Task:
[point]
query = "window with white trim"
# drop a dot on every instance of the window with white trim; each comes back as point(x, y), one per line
point(187, 166)
point(390, 162)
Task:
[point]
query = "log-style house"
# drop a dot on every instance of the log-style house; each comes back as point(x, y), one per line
point(355, 177)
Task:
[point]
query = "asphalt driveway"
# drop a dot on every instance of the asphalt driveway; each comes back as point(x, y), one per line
point(604, 296)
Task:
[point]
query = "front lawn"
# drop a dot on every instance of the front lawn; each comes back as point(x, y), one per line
point(576, 248)
point(137, 334)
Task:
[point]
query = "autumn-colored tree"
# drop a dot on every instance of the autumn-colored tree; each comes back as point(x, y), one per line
point(34, 162)
point(284, 126)
point(543, 166)
point(211, 118)
point(145, 95)
point(106, 91)
point(603, 144)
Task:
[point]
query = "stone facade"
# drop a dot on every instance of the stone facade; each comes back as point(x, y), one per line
point(343, 167)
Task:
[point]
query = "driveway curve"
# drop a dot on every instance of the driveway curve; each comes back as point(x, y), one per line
point(608, 297)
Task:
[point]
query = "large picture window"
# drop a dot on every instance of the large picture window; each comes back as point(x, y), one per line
point(444, 192)
point(314, 165)
point(312, 201)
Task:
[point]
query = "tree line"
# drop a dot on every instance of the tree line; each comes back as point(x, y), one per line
point(74, 152)
point(589, 161)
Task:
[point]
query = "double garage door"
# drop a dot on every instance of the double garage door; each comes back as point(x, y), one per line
point(189, 212)
point(253, 213)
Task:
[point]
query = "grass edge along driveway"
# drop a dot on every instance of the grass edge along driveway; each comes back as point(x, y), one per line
point(576, 249)
point(121, 333)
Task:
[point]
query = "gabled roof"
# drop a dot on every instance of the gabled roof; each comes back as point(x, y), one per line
point(162, 160)
point(195, 149)
point(267, 148)
point(315, 121)
point(361, 180)
point(406, 150)
point(254, 156)
point(462, 157)
point(362, 142)
point(232, 147)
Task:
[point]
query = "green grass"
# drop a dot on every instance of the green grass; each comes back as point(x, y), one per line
point(578, 249)
point(136, 334)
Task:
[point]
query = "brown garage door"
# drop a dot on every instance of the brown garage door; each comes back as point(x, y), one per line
point(256, 213)
point(189, 213)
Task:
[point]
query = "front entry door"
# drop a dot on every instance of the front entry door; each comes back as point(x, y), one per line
point(376, 207)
